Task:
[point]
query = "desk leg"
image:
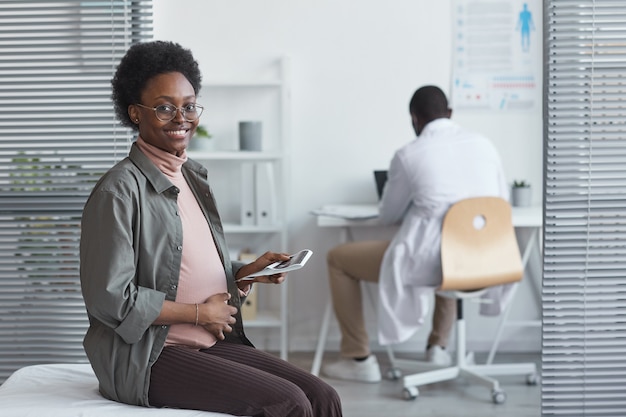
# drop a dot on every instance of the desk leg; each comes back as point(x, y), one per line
point(321, 340)
point(536, 283)
point(533, 241)
point(346, 235)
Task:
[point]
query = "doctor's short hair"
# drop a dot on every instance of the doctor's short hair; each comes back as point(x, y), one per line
point(429, 103)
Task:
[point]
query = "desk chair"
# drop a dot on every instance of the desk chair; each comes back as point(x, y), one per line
point(478, 250)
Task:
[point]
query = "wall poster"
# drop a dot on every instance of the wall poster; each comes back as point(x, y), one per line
point(497, 50)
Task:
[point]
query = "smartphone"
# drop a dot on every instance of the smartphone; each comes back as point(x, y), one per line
point(295, 261)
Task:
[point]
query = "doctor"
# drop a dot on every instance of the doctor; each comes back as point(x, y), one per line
point(443, 165)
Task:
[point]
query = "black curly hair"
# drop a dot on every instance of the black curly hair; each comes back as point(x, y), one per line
point(144, 61)
point(429, 102)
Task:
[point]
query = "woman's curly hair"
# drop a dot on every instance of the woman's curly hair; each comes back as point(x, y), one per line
point(144, 61)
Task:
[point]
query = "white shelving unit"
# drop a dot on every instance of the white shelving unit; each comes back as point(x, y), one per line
point(226, 103)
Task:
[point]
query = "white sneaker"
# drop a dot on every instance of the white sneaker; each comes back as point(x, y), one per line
point(438, 356)
point(349, 369)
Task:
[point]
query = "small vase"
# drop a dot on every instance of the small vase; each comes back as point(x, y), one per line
point(201, 144)
point(250, 136)
point(521, 196)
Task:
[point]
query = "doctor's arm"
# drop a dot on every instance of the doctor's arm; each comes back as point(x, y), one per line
point(396, 197)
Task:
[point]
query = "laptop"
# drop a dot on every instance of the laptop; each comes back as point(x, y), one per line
point(381, 178)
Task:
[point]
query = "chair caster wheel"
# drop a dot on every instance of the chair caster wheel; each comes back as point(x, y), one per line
point(532, 379)
point(410, 393)
point(394, 374)
point(498, 397)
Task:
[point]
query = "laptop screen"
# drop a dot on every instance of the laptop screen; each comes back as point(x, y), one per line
point(381, 178)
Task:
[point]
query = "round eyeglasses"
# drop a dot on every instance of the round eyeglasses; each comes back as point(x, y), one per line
point(166, 112)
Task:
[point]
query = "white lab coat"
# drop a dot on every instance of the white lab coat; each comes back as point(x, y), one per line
point(441, 166)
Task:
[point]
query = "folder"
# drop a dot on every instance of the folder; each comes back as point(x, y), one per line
point(249, 307)
point(265, 192)
point(248, 212)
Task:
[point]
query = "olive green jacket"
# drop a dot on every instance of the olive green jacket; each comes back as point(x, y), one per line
point(130, 254)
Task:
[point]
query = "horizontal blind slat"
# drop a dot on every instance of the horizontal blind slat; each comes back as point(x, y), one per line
point(584, 279)
point(58, 135)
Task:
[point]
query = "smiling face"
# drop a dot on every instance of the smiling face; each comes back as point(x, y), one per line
point(173, 136)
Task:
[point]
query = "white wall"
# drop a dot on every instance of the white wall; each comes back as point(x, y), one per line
point(354, 68)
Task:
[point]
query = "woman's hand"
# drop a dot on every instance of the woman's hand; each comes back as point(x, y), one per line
point(260, 263)
point(216, 316)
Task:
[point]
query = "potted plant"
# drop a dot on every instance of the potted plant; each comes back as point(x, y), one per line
point(201, 140)
point(521, 193)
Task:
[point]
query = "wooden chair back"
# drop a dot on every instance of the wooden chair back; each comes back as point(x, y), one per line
point(478, 245)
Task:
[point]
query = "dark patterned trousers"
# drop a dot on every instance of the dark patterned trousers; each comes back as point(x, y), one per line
point(239, 380)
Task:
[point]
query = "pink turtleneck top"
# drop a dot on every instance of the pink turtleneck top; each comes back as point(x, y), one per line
point(201, 270)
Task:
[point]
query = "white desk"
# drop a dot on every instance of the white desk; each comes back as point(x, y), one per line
point(523, 217)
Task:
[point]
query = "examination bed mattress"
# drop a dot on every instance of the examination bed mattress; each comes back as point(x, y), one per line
point(69, 390)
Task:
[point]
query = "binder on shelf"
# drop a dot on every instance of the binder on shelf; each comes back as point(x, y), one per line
point(248, 212)
point(249, 307)
point(265, 194)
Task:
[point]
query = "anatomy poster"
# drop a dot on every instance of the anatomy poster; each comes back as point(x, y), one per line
point(497, 50)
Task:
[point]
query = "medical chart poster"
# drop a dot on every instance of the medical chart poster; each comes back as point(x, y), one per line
point(496, 54)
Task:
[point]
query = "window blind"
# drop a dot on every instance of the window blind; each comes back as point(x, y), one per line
point(58, 135)
point(584, 285)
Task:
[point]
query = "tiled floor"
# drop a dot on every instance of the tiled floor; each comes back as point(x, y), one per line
point(453, 398)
